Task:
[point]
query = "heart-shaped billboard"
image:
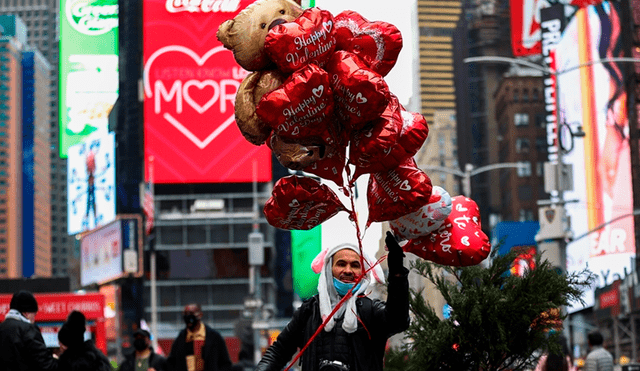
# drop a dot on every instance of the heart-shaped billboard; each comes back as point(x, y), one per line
point(190, 82)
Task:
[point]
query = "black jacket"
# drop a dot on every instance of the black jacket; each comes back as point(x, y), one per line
point(214, 352)
point(84, 357)
point(22, 348)
point(156, 361)
point(382, 320)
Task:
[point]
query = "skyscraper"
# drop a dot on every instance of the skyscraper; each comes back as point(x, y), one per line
point(41, 17)
point(438, 23)
point(12, 42)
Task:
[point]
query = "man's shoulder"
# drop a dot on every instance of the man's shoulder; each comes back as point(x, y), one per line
point(210, 330)
point(599, 352)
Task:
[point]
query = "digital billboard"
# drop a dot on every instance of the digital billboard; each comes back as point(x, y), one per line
point(601, 216)
point(88, 68)
point(111, 251)
point(91, 178)
point(525, 23)
point(190, 82)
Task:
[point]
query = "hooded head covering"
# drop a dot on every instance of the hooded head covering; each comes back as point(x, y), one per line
point(72, 331)
point(24, 302)
point(327, 294)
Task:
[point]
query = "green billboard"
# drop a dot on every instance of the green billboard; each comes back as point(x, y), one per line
point(305, 246)
point(88, 68)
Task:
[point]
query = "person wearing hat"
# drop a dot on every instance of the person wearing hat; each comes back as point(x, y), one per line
point(78, 354)
point(357, 327)
point(143, 358)
point(22, 347)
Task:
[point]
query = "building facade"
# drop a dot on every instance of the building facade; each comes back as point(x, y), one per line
point(41, 165)
point(487, 25)
point(520, 114)
point(437, 22)
point(41, 19)
point(12, 43)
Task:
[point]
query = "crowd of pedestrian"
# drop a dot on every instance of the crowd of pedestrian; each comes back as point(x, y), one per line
point(354, 332)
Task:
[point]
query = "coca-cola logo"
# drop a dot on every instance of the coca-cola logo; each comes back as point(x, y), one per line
point(202, 6)
point(178, 93)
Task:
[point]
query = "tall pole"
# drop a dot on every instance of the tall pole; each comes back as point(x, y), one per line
point(152, 268)
point(256, 250)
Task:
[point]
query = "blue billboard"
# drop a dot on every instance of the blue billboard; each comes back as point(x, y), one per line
point(508, 235)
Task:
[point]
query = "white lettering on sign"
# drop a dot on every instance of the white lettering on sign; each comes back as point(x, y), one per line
point(223, 92)
point(207, 90)
point(202, 6)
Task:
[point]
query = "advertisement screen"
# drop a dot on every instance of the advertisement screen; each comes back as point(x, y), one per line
point(601, 216)
point(101, 255)
point(88, 68)
point(190, 82)
point(91, 180)
point(525, 23)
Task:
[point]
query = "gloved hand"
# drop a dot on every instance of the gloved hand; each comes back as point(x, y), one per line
point(394, 258)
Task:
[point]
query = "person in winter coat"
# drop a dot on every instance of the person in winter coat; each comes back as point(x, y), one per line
point(22, 347)
point(143, 358)
point(354, 339)
point(198, 347)
point(78, 354)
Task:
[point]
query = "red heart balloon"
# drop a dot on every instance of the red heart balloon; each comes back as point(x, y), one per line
point(458, 242)
point(301, 106)
point(396, 135)
point(427, 219)
point(414, 132)
point(301, 203)
point(309, 38)
point(396, 192)
point(371, 147)
point(360, 94)
point(377, 43)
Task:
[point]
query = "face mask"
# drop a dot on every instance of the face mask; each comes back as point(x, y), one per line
point(140, 344)
point(342, 288)
point(190, 319)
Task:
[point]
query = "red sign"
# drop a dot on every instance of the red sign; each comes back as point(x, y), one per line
point(56, 307)
point(525, 23)
point(190, 82)
point(610, 298)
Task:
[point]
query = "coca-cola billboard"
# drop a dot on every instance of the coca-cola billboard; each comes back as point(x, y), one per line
point(190, 81)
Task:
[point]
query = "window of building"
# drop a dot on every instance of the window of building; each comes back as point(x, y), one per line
point(525, 95)
point(524, 169)
point(541, 144)
point(541, 120)
point(535, 95)
point(525, 193)
point(521, 119)
point(526, 215)
point(516, 95)
point(523, 145)
point(540, 168)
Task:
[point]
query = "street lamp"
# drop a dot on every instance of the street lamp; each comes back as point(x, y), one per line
point(470, 171)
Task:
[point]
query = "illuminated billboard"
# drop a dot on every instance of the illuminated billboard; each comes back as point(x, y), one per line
point(111, 251)
point(91, 181)
point(88, 68)
point(526, 23)
point(601, 219)
point(190, 82)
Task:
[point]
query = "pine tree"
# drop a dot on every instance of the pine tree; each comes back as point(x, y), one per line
point(498, 321)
